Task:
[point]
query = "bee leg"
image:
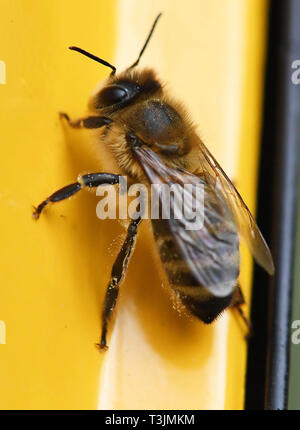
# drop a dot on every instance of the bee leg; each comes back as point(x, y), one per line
point(237, 301)
point(87, 122)
point(117, 275)
point(89, 180)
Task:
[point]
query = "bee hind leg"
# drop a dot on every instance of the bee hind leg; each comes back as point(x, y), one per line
point(87, 122)
point(117, 275)
point(238, 301)
point(89, 180)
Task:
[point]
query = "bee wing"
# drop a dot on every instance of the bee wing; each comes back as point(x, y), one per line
point(247, 226)
point(210, 253)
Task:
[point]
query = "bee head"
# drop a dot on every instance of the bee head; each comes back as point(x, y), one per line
point(124, 89)
point(120, 90)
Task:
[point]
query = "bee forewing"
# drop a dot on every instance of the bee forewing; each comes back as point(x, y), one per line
point(206, 257)
point(246, 224)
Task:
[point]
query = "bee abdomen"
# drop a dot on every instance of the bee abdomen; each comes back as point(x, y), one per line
point(177, 268)
point(204, 307)
point(205, 301)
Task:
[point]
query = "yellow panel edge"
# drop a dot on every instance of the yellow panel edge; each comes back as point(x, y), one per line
point(256, 26)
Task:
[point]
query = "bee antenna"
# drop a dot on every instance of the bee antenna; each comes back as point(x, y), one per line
point(93, 57)
point(146, 43)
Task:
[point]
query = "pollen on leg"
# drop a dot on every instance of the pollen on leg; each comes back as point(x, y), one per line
point(80, 180)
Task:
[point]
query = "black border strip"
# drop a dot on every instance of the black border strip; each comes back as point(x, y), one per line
point(277, 201)
point(257, 351)
point(287, 129)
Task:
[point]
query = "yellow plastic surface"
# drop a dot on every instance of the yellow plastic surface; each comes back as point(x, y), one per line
point(54, 272)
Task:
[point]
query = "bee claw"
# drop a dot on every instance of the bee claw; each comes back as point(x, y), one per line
point(249, 335)
point(101, 347)
point(63, 115)
point(35, 214)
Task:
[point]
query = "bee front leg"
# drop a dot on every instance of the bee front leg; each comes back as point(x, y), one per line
point(117, 275)
point(85, 181)
point(87, 122)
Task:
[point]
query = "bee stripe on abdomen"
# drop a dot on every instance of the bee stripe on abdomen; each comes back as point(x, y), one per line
point(177, 268)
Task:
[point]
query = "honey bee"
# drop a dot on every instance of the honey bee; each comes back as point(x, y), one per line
point(154, 142)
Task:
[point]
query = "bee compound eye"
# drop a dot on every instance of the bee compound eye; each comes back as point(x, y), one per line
point(132, 140)
point(111, 96)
